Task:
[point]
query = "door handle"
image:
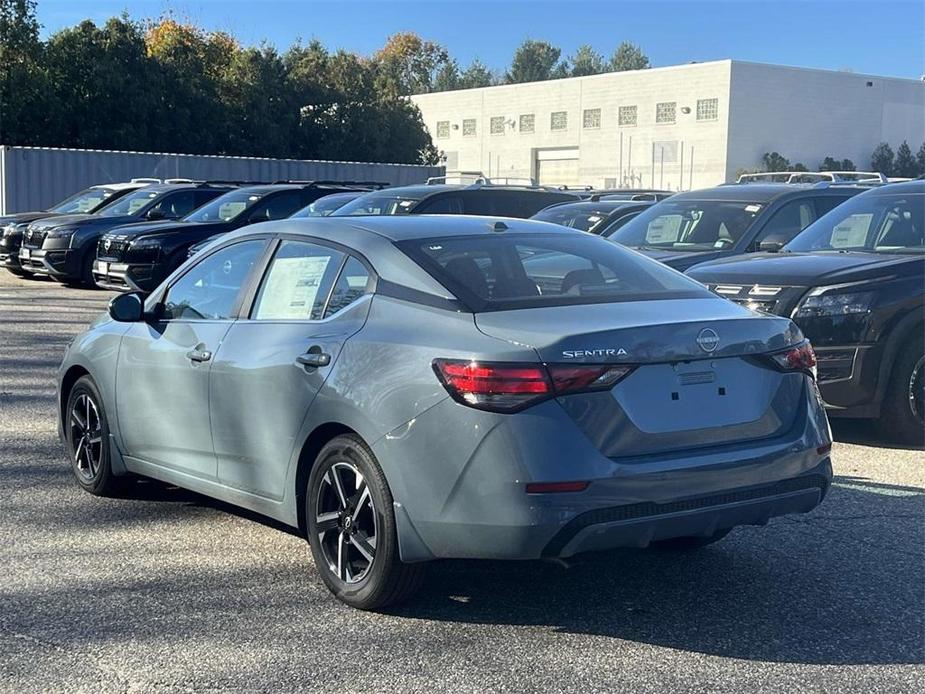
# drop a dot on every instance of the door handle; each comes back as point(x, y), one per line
point(314, 359)
point(199, 355)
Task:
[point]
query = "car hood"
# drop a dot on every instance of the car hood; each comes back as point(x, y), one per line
point(132, 231)
point(804, 269)
point(83, 220)
point(23, 217)
point(681, 260)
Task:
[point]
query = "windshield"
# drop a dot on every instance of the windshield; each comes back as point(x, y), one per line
point(130, 204)
point(376, 204)
point(322, 207)
point(580, 216)
point(225, 207)
point(86, 201)
point(499, 272)
point(689, 225)
point(870, 223)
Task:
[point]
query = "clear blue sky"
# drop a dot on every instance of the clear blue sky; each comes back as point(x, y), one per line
point(883, 37)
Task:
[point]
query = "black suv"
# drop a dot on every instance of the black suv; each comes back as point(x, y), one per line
point(855, 284)
point(691, 228)
point(139, 256)
point(443, 198)
point(64, 248)
point(601, 217)
point(89, 201)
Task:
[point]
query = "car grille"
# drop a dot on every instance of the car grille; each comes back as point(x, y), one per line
point(776, 299)
point(112, 247)
point(34, 238)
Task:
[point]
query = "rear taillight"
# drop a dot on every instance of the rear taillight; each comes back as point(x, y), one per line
point(509, 387)
point(801, 357)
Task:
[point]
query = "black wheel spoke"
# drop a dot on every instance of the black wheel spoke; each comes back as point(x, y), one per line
point(86, 437)
point(361, 542)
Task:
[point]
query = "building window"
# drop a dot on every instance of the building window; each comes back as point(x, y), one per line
point(527, 123)
point(558, 120)
point(591, 118)
point(707, 109)
point(469, 127)
point(627, 115)
point(443, 129)
point(497, 125)
point(665, 112)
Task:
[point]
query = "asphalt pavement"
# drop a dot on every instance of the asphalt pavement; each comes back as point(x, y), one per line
point(166, 590)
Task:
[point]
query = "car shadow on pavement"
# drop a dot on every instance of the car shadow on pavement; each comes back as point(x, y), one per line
point(840, 586)
point(864, 432)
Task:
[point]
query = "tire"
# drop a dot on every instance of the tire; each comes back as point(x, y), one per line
point(87, 434)
point(689, 544)
point(345, 522)
point(902, 416)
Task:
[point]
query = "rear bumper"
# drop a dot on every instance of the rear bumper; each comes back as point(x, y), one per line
point(61, 264)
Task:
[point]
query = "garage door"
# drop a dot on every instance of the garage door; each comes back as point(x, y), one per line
point(561, 172)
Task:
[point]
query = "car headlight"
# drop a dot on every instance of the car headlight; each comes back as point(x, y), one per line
point(145, 243)
point(60, 233)
point(830, 301)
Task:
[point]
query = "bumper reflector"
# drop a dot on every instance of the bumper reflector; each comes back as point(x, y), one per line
point(555, 487)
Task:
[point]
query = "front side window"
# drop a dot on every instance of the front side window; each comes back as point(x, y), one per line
point(788, 221)
point(210, 289)
point(665, 112)
point(527, 123)
point(499, 272)
point(689, 225)
point(130, 204)
point(558, 120)
point(891, 223)
point(298, 282)
point(497, 125)
point(591, 118)
point(626, 115)
point(225, 208)
point(707, 109)
point(175, 205)
point(443, 129)
point(278, 206)
point(469, 127)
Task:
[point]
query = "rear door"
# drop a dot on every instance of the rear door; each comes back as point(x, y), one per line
point(162, 387)
point(271, 364)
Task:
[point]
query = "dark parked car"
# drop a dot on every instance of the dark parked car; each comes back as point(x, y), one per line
point(602, 217)
point(64, 248)
point(691, 228)
point(140, 256)
point(855, 284)
point(443, 198)
point(89, 201)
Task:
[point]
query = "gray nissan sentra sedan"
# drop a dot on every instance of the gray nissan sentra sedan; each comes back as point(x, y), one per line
point(403, 389)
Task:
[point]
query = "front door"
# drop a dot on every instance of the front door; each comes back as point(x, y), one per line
point(272, 364)
point(162, 384)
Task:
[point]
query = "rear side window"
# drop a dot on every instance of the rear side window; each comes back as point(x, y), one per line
point(442, 204)
point(510, 203)
point(297, 283)
point(498, 272)
point(277, 206)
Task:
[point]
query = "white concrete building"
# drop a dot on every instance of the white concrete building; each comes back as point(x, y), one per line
point(680, 127)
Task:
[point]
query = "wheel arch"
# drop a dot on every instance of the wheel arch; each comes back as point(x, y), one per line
point(70, 377)
point(313, 444)
point(913, 323)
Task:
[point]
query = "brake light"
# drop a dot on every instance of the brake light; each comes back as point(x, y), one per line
point(509, 387)
point(798, 358)
point(555, 487)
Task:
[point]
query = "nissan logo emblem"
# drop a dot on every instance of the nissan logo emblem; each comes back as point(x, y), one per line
point(106, 244)
point(708, 340)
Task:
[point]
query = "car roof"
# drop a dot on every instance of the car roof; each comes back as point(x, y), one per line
point(603, 206)
point(915, 186)
point(405, 227)
point(757, 192)
point(128, 185)
point(421, 191)
point(167, 187)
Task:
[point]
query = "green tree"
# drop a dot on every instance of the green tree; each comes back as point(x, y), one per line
point(848, 165)
point(476, 75)
point(774, 161)
point(447, 78)
point(407, 64)
point(628, 56)
point(535, 61)
point(830, 164)
point(920, 160)
point(881, 159)
point(905, 165)
point(587, 61)
point(24, 89)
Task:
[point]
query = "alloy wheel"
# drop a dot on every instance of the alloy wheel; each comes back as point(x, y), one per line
point(917, 389)
point(346, 523)
point(86, 437)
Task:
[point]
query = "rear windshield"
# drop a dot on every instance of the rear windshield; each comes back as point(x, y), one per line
point(581, 216)
point(498, 272)
point(689, 225)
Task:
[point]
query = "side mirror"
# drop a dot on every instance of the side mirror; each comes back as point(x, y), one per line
point(128, 308)
point(770, 246)
point(155, 214)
